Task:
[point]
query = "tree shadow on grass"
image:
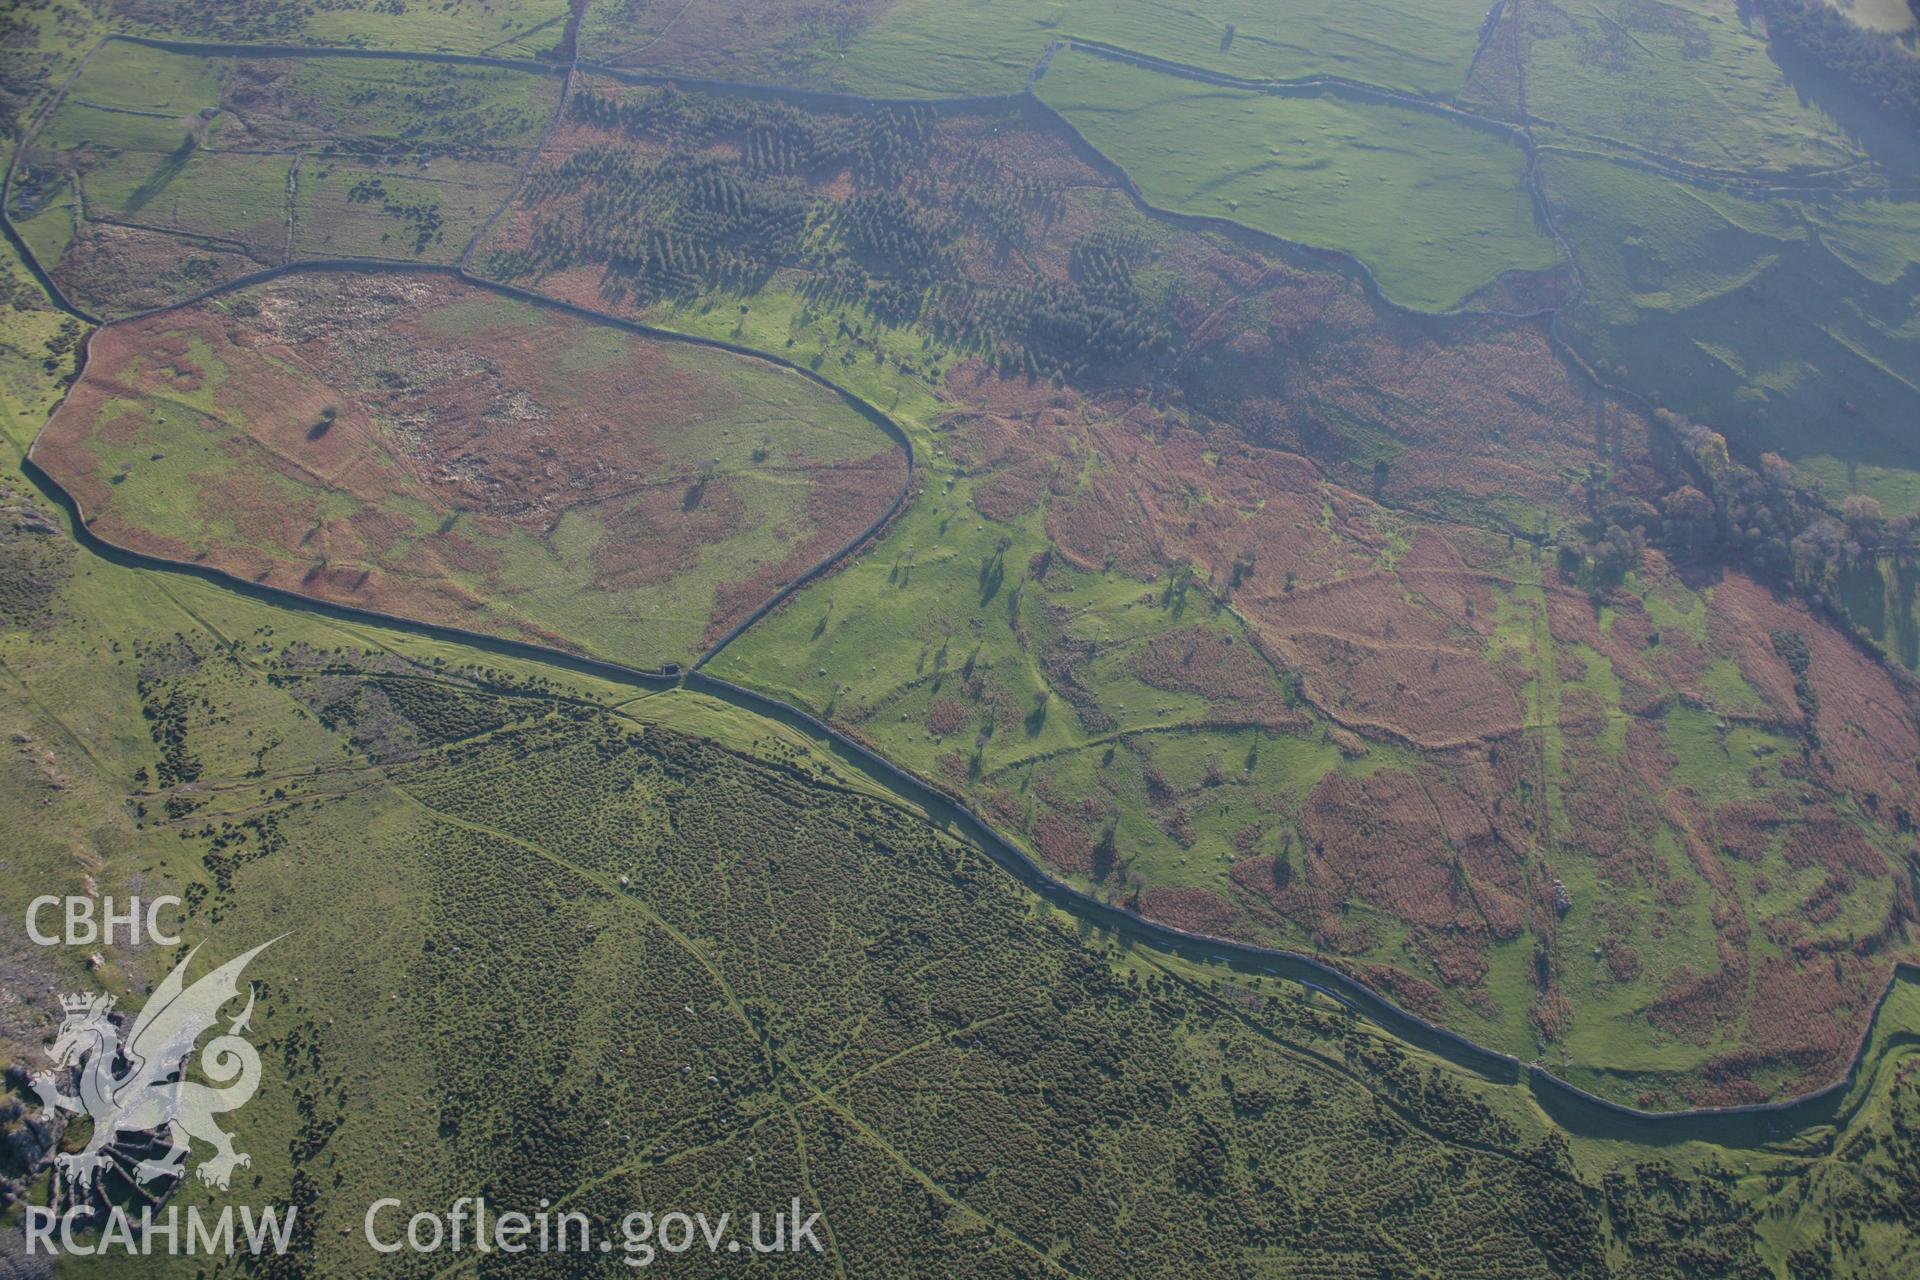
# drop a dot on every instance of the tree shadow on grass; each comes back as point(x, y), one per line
point(158, 181)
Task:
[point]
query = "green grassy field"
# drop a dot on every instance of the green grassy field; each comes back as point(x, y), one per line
point(160, 174)
point(428, 211)
point(1601, 819)
point(1827, 377)
point(1881, 599)
point(1786, 325)
point(915, 48)
point(1186, 798)
point(948, 609)
point(737, 969)
point(1693, 82)
point(922, 47)
point(1436, 209)
point(1187, 819)
point(968, 648)
point(504, 28)
point(1878, 15)
point(496, 905)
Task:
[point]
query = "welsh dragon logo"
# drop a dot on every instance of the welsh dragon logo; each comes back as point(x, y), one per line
point(140, 1087)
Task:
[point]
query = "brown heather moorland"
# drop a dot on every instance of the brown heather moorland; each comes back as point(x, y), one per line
point(1591, 779)
point(1533, 745)
point(423, 448)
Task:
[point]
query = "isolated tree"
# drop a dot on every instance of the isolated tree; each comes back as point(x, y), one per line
point(1863, 516)
point(1689, 517)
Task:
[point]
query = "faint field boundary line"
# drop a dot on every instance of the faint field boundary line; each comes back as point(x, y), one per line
point(866, 409)
point(1490, 1063)
point(1393, 1018)
point(1645, 158)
